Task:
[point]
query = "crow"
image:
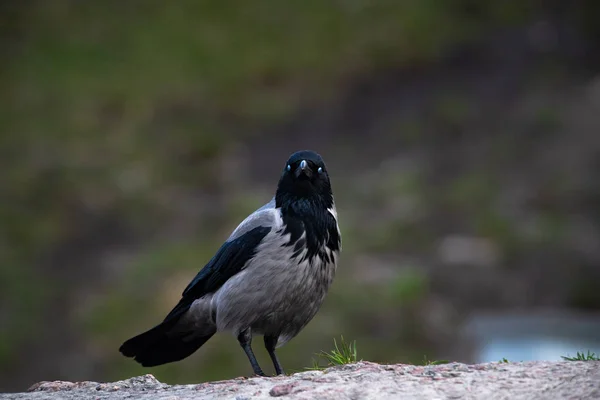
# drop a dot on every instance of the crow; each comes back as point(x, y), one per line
point(270, 277)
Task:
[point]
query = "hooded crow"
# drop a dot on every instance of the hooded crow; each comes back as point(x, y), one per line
point(270, 277)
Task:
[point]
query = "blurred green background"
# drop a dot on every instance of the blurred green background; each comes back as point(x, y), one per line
point(462, 139)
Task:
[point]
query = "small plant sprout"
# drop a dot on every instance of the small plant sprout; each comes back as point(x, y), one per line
point(344, 353)
point(583, 357)
point(434, 362)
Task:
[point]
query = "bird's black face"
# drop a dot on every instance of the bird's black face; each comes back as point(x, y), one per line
point(304, 177)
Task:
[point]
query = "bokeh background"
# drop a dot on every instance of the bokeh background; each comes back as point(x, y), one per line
point(463, 140)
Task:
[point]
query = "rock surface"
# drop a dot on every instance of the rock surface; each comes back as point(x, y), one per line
point(364, 380)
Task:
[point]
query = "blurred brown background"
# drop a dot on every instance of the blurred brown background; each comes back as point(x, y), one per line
point(463, 140)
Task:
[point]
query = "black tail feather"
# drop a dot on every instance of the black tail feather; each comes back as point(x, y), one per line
point(160, 346)
point(142, 341)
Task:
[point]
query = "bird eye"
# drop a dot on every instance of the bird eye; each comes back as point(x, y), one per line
point(289, 167)
point(320, 170)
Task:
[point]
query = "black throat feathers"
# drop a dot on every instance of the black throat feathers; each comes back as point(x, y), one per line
point(317, 223)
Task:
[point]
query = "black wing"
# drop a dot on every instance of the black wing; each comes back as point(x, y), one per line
point(228, 261)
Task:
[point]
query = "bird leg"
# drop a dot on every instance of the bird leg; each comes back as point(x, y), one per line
point(270, 343)
point(245, 339)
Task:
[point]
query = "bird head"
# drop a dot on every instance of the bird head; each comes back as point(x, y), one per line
point(304, 177)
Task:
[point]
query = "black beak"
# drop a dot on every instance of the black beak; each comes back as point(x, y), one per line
point(303, 170)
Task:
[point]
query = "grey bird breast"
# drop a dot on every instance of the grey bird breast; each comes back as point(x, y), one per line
point(278, 291)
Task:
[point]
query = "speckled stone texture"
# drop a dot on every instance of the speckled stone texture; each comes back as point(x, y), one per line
point(364, 380)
